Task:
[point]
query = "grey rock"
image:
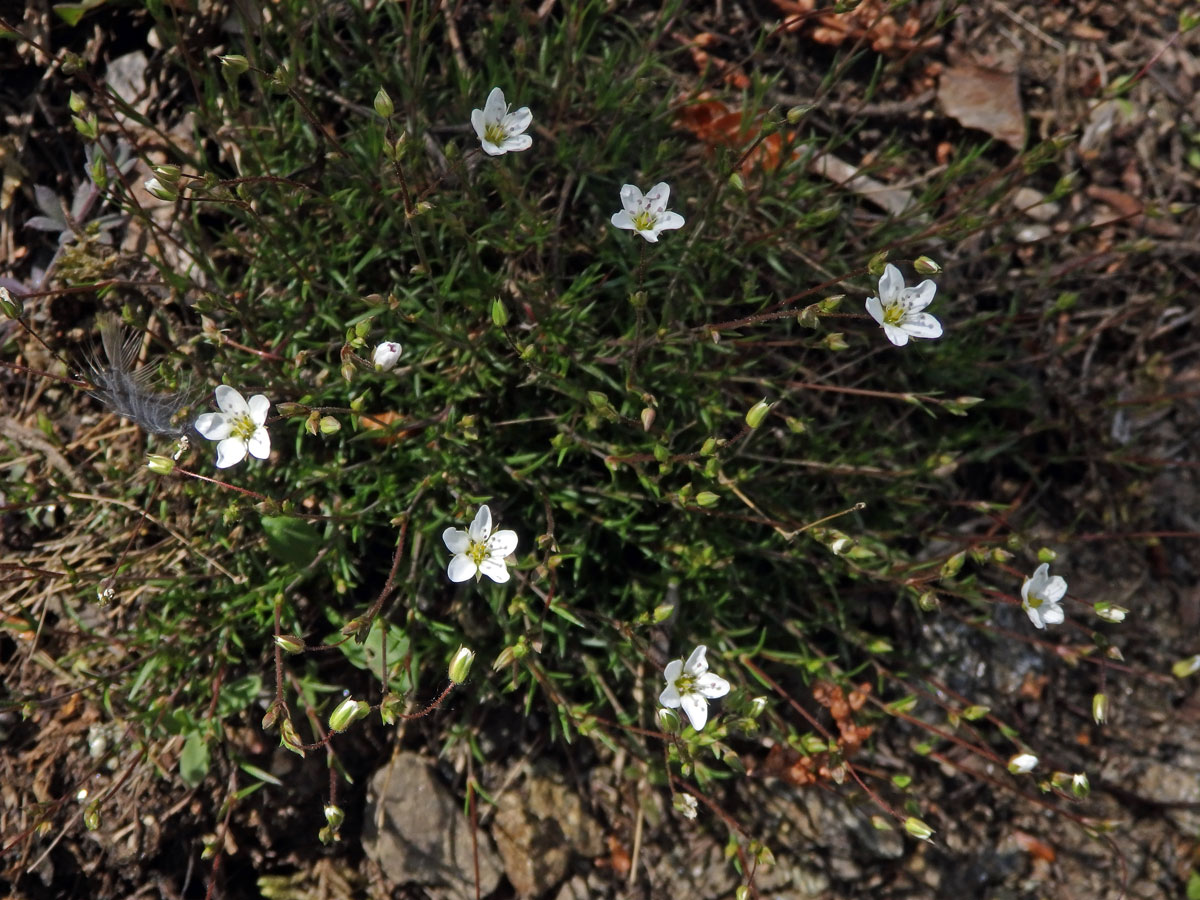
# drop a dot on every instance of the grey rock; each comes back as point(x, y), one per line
point(416, 831)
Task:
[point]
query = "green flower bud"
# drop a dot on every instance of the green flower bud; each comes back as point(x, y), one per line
point(1100, 708)
point(926, 266)
point(168, 174)
point(499, 313)
point(917, 828)
point(757, 413)
point(736, 182)
point(460, 664)
point(289, 643)
point(383, 104)
point(835, 341)
point(288, 737)
point(706, 499)
point(347, 713)
point(329, 425)
point(235, 64)
point(334, 816)
point(796, 113)
point(647, 418)
point(708, 447)
point(76, 103)
point(668, 721)
point(160, 465)
point(162, 191)
point(877, 263)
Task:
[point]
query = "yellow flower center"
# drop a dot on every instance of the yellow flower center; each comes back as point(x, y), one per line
point(494, 133)
point(242, 426)
point(477, 552)
point(893, 315)
point(686, 684)
point(644, 221)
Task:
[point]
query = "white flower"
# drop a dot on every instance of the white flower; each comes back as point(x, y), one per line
point(386, 356)
point(238, 426)
point(898, 308)
point(477, 551)
point(685, 805)
point(647, 215)
point(499, 130)
point(1040, 596)
point(690, 685)
point(1022, 764)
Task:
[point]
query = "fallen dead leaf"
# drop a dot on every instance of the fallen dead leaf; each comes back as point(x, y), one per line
point(986, 99)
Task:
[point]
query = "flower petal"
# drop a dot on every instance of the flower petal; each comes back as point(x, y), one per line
point(650, 235)
point(875, 308)
point(922, 325)
point(494, 569)
point(1035, 616)
point(230, 452)
point(891, 284)
point(492, 149)
point(696, 708)
point(920, 296)
point(1052, 614)
point(477, 122)
point(712, 686)
point(518, 121)
point(669, 221)
point(673, 670)
point(461, 568)
point(502, 543)
point(669, 697)
point(657, 196)
point(623, 219)
point(259, 406)
point(897, 336)
point(230, 401)
point(481, 526)
point(259, 444)
point(1055, 589)
point(516, 143)
point(696, 663)
point(495, 107)
point(631, 198)
point(456, 539)
point(214, 426)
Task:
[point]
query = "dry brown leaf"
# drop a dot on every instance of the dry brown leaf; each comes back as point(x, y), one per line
point(986, 99)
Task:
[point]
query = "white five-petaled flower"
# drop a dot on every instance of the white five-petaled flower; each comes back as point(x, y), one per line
point(690, 685)
point(1041, 595)
point(386, 356)
point(239, 427)
point(898, 308)
point(478, 551)
point(499, 130)
point(647, 215)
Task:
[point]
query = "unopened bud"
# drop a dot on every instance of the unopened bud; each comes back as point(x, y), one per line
point(168, 174)
point(757, 413)
point(796, 113)
point(235, 64)
point(757, 706)
point(1099, 708)
point(736, 182)
point(877, 263)
point(329, 425)
point(383, 104)
point(1080, 786)
point(289, 643)
point(499, 313)
point(707, 499)
point(917, 828)
point(160, 465)
point(1110, 612)
point(288, 737)
point(926, 266)
point(647, 418)
point(160, 190)
point(1022, 763)
point(835, 341)
point(668, 721)
point(708, 447)
point(460, 664)
point(347, 713)
point(334, 816)
point(76, 103)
